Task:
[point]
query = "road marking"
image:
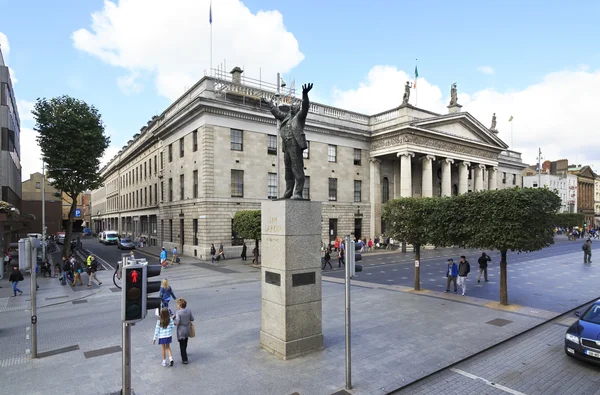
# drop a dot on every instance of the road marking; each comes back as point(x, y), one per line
point(500, 387)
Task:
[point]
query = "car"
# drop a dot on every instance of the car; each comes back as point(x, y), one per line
point(87, 231)
point(60, 237)
point(109, 237)
point(125, 243)
point(582, 339)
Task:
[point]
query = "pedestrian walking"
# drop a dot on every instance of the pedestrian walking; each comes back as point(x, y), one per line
point(327, 260)
point(341, 256)
point(213, 252)
point(244, 248)
point(15, 277)
point(183, 321)
point(483, 264)
point(92, 269)
point(163, 257)
point(77, 270)
point(463, 270)
point(587, 251)
point(175, 256)
point(164, 334)
point(451, 274)
point(221, 251)
point(165, 294)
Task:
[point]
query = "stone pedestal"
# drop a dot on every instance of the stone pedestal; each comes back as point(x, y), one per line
point(291, 278)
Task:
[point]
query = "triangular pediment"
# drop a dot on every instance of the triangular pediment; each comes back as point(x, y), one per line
point(461, 126)
point(586, 171)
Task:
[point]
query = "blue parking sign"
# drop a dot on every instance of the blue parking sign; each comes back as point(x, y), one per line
point(78, 212)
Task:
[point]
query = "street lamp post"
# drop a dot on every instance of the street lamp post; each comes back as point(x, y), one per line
point(44, 213)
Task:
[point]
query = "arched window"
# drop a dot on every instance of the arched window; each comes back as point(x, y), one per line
point(385, 190)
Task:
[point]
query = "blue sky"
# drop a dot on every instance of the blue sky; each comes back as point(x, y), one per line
point(341, 42)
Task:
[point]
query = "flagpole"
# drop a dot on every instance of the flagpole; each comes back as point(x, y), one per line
point(416, 91)
point(211, 40)
point(511, 135)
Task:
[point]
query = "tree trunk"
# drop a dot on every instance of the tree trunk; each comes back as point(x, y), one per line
point(69, 229)
point(256, 252)
point(503, 287)
point(417, 248)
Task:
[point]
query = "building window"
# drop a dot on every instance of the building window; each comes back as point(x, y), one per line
point(145, 171)
point(357, 191)
point(37, 185)
point(162, 230)
point(155, 194)
point(306, 189)
point(385, 190)
point(171, 230)
point(137, 198)
point(145, 196)
point(237, 140)
point(332, 153)
point(195, 226)
point(195, 140)
point(514, 179)
point(181, 151)
point(504, 178)
point(237, 183)
point(150, 193)
point(150, 166)
point(357, 156)
point(306, 152)
point(272, 144)
point(136, 175)
point(162, 191)
point(155, 163)
point(272, 193)
point(170, 153)
point(170, 189)
point(181, 186)
point(333, 189)
point(535, 184)
point(195, 178)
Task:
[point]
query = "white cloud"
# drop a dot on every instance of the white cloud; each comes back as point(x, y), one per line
point(31, 154)
point(4, 45)
point(130, 83)
point(110, 152)
point(25, 108)
point(173, 43)
point(557, 114)
point(486, 70)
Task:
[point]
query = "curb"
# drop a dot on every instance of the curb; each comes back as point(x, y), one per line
point(488, 348)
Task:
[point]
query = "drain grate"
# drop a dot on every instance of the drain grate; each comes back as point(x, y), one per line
point(80, 301)
point(114, 289)
point(58, 351)
point(500, 322)
point(58, 297)
point(102, 351)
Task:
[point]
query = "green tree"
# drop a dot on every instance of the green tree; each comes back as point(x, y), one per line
point(517, 219)
point(568, 220)
point(413, 220)
point(247, 224)
point(71, 137)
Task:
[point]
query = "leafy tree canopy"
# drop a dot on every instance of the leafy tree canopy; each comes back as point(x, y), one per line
point(568, 220)
point(247, 224)
point(412, 220)
point(71, 137)
point(517, 219)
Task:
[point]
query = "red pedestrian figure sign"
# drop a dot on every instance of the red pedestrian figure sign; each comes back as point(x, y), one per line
point(134, 276)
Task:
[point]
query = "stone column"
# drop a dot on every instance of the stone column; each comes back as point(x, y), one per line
point(405, 174)
point(291, 278)
point(463, 177)
point(427, 178)
point(479, 178)
point(447, 176)
point(493, 178)
point(375, 225)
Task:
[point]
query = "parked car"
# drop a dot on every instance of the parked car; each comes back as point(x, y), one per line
point(582, 339)
point(125, 243)
point(60, 237)
point(87, 231)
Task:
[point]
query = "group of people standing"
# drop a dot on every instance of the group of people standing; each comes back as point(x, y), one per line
point(167, 322)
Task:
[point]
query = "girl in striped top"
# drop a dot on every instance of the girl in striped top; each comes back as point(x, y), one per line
point(164, 334)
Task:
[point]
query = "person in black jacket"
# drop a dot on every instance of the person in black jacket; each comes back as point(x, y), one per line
point(463, 269)
point(483, 262)
point(15, 277)
point(92, 272)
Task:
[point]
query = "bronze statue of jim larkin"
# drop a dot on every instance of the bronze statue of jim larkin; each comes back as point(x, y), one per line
point(292, 135)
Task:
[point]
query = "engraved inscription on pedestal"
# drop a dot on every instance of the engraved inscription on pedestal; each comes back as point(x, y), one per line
point(300, 279)
point(273, 278)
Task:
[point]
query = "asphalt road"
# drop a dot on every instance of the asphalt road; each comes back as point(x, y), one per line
point(554, 278)
point(530, 364)
point(110, 255)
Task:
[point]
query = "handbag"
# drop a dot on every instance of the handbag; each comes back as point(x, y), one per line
point(192, 329)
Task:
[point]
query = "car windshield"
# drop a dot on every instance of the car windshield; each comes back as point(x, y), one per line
point(592, 315)
point(125, 240)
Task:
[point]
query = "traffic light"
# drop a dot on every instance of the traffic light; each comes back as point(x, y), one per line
point(150, 287)
point(132, 301)
point(352, 258)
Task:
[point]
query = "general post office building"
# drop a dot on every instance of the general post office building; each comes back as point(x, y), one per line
point(214, 151)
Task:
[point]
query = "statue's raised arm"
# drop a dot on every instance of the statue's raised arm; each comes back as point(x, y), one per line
point(305, 102)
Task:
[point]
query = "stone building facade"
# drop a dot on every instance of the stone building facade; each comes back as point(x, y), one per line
point(585, 191)
point(213, 152)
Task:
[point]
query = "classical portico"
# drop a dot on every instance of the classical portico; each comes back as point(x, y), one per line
point(431, 155)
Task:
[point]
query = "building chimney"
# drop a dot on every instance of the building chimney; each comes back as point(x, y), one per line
point(236, 75)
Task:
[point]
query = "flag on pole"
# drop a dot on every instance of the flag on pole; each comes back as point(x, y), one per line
point(210, 14)
point(416, 76)
point(510, 119)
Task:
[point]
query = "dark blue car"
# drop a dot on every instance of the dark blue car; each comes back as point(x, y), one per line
point(582, 339)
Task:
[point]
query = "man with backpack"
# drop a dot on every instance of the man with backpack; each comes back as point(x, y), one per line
point(587, 251)
point(463, 269)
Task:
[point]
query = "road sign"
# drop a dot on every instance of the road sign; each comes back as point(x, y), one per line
point(77, 212)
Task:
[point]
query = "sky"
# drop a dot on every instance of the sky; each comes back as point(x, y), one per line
point(538, 61)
